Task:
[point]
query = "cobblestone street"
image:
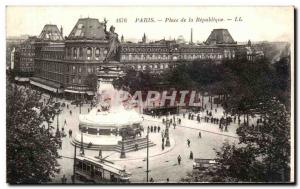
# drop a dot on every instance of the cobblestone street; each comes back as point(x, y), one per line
point(162, 163)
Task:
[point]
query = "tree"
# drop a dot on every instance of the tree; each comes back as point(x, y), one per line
point(31, 148)
point(263, 153)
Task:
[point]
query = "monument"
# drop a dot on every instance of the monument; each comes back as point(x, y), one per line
point(111, 126)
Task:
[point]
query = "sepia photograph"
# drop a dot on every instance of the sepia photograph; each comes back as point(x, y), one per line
point(150, 95)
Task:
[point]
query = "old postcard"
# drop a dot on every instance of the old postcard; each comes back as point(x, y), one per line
point(157, 94)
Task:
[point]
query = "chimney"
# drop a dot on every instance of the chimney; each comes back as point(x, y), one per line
point(61, 31)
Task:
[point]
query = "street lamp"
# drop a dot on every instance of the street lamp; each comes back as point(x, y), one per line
point(147, 154)
point(81, 145)
point(167, 134)
point(123, 155)
point(57, 114)
point(57, 124)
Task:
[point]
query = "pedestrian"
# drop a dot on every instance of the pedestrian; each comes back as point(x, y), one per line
point(174, 125)
point(179, 159)
point(65, 122)
point(168, 180)
point(64, 179)
point(151, 179)
point(151, 129)
point(200, 134)
point(162, 146)
point(191, 155)
point(136, 147)
point(60, 144)
point(70, 112)
point(179, 121)
point(158, 129)
point(70, 133)
point(188, 142)
point(67, 106)
point(155, 128)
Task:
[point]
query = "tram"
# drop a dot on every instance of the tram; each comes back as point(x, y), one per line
point(96, 170)
point(203, 164)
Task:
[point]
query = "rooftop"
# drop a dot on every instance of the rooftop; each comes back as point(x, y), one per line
point(220, 36)
point(51, 32)
point(88, 28)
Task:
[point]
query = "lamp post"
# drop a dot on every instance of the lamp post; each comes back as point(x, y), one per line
point(123, 155)
point(147, 171)
point(57, 124)
point(57, 114)
point(81, 144)
point(74, 166)
point(167, 134)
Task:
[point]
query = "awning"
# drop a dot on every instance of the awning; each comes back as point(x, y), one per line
point(22, 79)
point(45, 87)
point(72, 91)
point(91, 93)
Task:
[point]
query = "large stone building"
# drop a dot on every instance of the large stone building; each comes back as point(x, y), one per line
point(63, 65)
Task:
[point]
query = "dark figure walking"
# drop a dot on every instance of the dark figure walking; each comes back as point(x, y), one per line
point(179, 159)
point(151, 129)
point(200, 134)
point(70, 112)
point(191, 155)
point(70, 133)
point(188, 142)
point(158, 129)
point(64, 179)
point(155, 128)
point(151, 179)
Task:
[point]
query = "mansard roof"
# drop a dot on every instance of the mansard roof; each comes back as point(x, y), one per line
point(51, 32)
point(220, 36)
point(88, 28)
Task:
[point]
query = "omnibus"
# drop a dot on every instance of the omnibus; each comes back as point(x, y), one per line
point(203, 164)
point(95, 170)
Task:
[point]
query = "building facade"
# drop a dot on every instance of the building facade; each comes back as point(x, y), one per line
point(64, 65)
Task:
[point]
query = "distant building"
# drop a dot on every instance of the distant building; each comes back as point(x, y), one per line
point(63, 65)
point(24, 66)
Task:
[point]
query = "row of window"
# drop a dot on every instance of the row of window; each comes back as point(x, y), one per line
point(202, 56)
point(51, 76)
point(151, 66)
point(52, 55)
point(26, 60)
point(140, 49)
point(145, 57)
point(88, 52)
point(29, 53)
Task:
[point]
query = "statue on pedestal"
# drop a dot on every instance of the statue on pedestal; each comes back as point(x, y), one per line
point(113, 53)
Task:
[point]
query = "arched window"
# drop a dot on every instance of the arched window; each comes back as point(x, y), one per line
point(69, 52)
point(74, 52)
point(89, 52)
point(80, 52)
point(97, 52)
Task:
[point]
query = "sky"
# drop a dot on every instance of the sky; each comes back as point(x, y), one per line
point(253, 23)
